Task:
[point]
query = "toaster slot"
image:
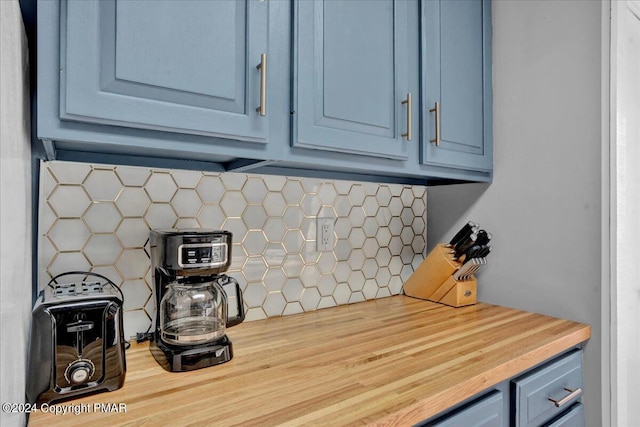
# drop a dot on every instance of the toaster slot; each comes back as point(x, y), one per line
point(82, 288)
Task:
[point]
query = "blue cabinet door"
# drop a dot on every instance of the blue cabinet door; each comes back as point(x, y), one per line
point(350, 77)
point(181, 66)
point(456, 74)
point(484, 412)
point(543, 394)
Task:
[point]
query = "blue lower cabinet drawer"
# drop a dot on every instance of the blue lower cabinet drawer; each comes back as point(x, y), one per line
point(574, 417)
point(487, 411)
point(543, 394)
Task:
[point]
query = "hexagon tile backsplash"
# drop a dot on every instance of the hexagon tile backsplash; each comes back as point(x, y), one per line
point(97, 218)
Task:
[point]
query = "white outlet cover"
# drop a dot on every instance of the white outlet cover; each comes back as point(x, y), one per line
point(325, 237)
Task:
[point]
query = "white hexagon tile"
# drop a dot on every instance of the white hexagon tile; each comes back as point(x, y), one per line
point(98, 217)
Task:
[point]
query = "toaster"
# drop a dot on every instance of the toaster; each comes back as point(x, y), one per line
point(77, 342)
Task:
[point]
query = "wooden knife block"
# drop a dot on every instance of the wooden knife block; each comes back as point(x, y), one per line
point(433, 280)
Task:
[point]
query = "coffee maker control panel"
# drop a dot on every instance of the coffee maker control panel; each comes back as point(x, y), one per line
point(202, 255)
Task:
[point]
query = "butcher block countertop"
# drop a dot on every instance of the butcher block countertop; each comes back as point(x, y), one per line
point(393, 361)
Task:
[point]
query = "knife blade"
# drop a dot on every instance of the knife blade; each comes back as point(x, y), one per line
point(462, 233)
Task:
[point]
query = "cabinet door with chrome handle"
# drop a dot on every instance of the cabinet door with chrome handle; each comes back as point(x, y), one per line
point(456, 85)
point(544, 393)
point(352, 62)
point(186, 67)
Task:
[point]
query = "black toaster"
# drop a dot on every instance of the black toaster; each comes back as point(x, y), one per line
point(77, 342)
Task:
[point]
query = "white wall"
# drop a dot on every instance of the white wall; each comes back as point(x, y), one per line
point(544, 206)
point(625, 123)
point(15, 209)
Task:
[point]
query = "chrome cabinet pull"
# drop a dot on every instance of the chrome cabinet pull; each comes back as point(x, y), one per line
point(572, 394)
point(407, 101)
point(262, 66)
point(436, 109)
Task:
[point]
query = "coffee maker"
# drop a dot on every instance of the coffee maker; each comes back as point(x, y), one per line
point(192, 298)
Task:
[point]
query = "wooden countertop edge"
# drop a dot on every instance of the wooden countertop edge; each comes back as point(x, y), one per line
point(433, 405)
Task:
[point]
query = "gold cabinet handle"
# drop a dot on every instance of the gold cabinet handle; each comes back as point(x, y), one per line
point(436, 109)
point(572, 394)
point(407, 101)
point(262, 66)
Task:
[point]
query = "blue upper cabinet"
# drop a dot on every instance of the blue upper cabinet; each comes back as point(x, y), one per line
point(456, 92)
point(326, 88)
point(351, 77)
point(182, 66)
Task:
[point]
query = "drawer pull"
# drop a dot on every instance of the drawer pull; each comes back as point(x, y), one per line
point(572, 395)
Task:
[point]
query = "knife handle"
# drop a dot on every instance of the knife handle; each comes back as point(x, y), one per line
point(465, 244)
point(486, 249)
point(462, 242)
point(483, 237)
point(472, 252)
point(462, 233)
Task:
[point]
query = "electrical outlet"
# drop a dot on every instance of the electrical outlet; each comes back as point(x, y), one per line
point(324, 235)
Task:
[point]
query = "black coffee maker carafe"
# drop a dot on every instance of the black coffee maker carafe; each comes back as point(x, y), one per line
point(192, 297)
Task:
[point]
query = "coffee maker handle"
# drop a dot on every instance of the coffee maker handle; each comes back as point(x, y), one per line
point(240, 317)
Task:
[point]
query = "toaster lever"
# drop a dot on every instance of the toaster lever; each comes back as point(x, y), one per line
point(82, 325)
